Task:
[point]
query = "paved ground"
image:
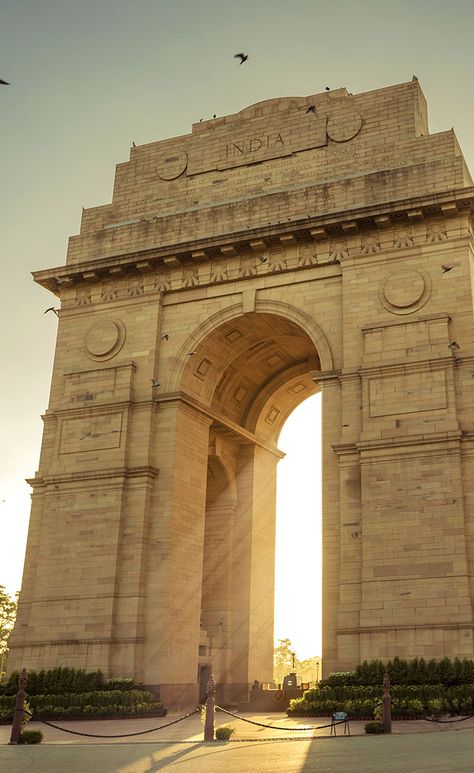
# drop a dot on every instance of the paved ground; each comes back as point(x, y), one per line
point(414, 747)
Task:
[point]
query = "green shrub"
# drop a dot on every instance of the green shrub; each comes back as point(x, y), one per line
point(408, 672)
point(365, 701)
point(121, 683)
point(90, 705)
point(97, 698)
point(435, 707)
point(224, 732)
point(374, 727)
point(58, 680)
point(31, 736)
point(378, 712)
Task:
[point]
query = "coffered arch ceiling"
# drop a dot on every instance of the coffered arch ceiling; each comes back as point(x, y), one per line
point(252, 371)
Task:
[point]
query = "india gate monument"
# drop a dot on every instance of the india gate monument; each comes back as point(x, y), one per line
point(303, 244)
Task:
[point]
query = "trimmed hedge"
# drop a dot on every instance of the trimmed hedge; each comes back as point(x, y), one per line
point(99, 704)
point(58, 681)
point(364, 701)
point(409, 672)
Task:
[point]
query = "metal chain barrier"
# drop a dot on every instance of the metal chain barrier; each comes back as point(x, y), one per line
point(277, 727)
point(120, 735)
point(429, 719)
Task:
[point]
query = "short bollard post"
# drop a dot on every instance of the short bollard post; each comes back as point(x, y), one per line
point(19, 708)
point(387, 704)
point(210, 704)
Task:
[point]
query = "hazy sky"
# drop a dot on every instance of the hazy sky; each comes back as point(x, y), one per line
point(90, 77)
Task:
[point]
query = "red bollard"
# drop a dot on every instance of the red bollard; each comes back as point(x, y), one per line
point(210, 703)
point(19, 708)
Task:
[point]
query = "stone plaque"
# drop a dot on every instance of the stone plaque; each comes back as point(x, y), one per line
point(104, 339)
point(173, 165)
point(343, 126)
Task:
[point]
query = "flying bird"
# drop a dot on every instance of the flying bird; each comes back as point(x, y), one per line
point(164, 337)
point(262, 259)
point(243, 57)
point(4, 83)
point(51, 308)
point(311, 109)
point(155, 383)
point(453, 345)
point(190, 354)
point(446, 268)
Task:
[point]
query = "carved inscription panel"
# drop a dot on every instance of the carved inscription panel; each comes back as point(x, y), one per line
point(90, 433)
point(90, 385)
point(257, 141)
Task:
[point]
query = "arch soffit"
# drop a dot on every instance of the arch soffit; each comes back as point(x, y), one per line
point(278, 308)
point(220, 465)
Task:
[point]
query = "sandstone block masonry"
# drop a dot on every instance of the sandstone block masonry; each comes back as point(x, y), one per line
point(240, 268)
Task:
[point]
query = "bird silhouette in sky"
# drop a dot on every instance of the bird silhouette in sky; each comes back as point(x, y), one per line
point(164, 337)
point(51, 308)
point(446, 268)
point(243, 57)
point(311, 109)
point(4, 83)
point(327, 88)
point(155, 383)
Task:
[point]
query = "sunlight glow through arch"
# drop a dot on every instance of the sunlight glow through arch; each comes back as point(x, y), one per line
point(298, 531)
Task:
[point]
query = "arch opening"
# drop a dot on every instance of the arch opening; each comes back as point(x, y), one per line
point(298, 566)
point(248, 376)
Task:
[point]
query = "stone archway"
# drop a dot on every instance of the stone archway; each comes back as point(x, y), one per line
point(246, 376)
point(237, 269)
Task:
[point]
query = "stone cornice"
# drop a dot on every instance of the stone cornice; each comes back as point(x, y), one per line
point(313, 227)
point(419, 318)
point(144, 471)
point(79, 641)
point(381, 446)
point(408, 626)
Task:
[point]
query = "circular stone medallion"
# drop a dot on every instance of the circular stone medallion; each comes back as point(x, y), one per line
point(104, 339)
point(173, 165)
point(343, 126)
point(405, 291)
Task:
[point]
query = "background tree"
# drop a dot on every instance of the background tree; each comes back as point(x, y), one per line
point(309, 670)
point(283, 658)
point(8, 607)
